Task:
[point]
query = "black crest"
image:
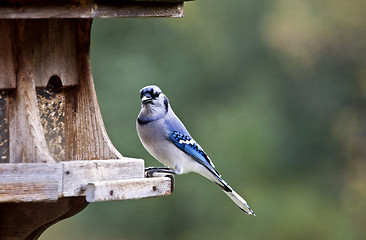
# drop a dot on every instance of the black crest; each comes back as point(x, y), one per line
point(150, 91)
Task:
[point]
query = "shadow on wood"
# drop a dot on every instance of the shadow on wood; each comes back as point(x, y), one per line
point(30, 220)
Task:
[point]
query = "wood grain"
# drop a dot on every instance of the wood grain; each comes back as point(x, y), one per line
point(26, 138)
point(15, 9)
point(25, 182)
point(141, 10)
point(45, 49)
point(85, 132)
point(7, 54)
point(29, 191)
point(78, 173)
point(104, 180)
point(33, 52)
point(49, 48)
point(127, 189)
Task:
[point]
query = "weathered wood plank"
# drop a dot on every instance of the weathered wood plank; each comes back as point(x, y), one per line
point(50, 48)
point(26, 138)
point(7, 54)
point(29, 191)
point(30, 182)
point(90, 9)
point(70, 176)
point(21, 172)
point(48, 45)
point(171, 176)
point(78, 173)
point(42, 182)
point(46, 49)
point(142, 10)
point(86, 137)
point(128, 189)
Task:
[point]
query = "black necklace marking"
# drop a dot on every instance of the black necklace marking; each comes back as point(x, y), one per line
point(166, 104)
point(144, 122)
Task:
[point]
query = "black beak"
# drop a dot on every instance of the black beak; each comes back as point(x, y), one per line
point(145, 99)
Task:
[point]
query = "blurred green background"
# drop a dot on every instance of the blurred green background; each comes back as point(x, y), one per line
point(274, 91)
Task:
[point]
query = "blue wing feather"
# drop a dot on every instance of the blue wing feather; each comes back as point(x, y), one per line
point(188, 145)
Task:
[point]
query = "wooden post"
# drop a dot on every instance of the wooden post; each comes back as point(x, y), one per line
point(49, 114)
point(44, 49)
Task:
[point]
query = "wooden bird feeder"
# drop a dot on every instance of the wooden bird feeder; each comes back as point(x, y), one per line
point(55, 154)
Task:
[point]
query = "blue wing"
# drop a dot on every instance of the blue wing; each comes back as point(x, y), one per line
point(188, 145)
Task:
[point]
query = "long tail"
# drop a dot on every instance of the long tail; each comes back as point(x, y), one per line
point(215, 177)
point(236, 198)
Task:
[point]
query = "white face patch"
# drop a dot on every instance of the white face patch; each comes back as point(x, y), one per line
point(154, 110)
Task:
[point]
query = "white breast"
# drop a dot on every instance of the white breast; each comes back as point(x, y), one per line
point(154, 138)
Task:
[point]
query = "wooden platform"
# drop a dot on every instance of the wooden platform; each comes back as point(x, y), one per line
point(98, 180)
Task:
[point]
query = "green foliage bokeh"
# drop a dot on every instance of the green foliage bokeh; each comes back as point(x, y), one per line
point(274, 91)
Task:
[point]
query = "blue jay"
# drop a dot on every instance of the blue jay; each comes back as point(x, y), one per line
point(166, 139)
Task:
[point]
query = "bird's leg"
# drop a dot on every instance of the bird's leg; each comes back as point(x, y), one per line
point(150, 170)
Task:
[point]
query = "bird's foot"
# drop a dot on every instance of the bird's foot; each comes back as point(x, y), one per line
point(151, 170)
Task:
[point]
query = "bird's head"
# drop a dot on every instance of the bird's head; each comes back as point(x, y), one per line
point(153, 100)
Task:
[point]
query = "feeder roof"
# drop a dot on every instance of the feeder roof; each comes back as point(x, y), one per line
point(30, 9)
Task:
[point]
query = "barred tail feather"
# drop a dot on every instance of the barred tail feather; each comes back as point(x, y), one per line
point(240, 202)
point(236, 198)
